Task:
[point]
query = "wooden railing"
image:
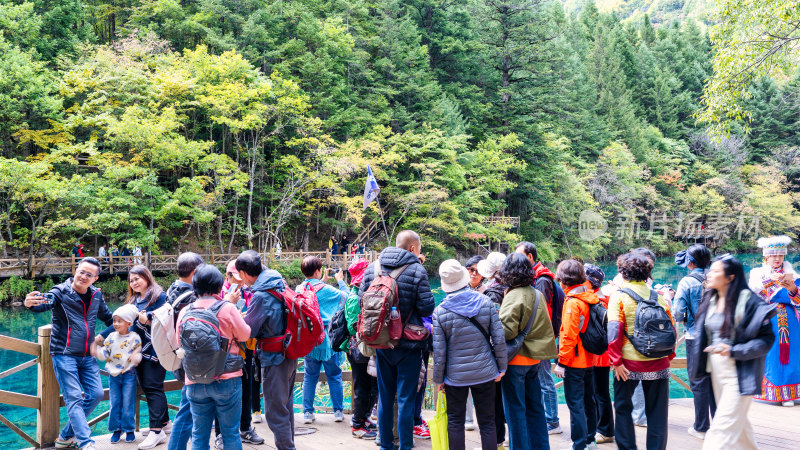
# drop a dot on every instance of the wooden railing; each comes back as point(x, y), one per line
point(55, 265)
point(48, 400)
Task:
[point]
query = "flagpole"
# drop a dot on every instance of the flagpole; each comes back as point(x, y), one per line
point(388, 239)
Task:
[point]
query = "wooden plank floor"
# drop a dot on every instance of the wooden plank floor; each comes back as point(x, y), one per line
point(776, 428)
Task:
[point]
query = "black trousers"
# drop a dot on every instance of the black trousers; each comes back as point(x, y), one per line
point(579, 393)
point(602, 398)
point(365, 391)
point(255, 392)
point(483, 396)
point(150, 376)
point(704, 402)
point(656, 403)
point(499, 414)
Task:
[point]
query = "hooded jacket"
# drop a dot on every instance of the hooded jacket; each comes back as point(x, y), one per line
point(752, 339)
point(266, 314)
point(461, 354)
point(575, 319)
point(73, 322)
point(413, 289)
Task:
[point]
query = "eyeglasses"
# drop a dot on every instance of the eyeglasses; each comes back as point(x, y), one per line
point(472, 271)
point(85, 274)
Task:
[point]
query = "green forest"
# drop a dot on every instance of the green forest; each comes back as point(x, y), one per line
point(217, 125)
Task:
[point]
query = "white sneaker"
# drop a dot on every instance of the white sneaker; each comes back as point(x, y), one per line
point(257, 417)
point(89, 446)
point(698, 434)
point(152, 440)
point(469, 425)
point(338, 416)
point(788, 403)
point(218, 442)
point(167, 428)
point(308, 417)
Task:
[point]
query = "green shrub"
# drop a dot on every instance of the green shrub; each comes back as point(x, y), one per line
point(113, 287)
point(290, 270)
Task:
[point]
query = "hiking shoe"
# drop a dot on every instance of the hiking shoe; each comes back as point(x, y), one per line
point(152, 440)
point(372, 424)
point(600, 439)
point(130, 436)
point(698, 434)
point(115, 436)
point(554, 428)
point(251, 436)
point(338, 416)
point(257, 417)
point(66, 443)
point(218, 442)
point(421, 431)
point(364, 433)
point(308, 417)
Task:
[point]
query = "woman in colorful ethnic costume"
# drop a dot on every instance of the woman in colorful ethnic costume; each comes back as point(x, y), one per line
point(776, 282)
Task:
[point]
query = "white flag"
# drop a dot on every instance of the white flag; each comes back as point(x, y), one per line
point(371, 188)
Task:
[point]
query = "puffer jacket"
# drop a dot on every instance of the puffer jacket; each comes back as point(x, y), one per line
point(414, 290)
point(73, 322)
point(495, 291)
point(266, 314)
point(461, 354)
point(752, 339)
point(574, 320)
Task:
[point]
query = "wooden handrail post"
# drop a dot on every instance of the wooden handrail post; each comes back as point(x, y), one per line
point(72, 263)
point(47, 426)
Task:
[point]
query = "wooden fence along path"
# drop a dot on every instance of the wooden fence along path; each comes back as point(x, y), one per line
point(48, 400)
point(59, 265)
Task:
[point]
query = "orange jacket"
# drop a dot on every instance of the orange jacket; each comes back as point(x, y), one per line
point(574, 320)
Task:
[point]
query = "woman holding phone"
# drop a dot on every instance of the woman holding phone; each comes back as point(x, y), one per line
point(735, 334)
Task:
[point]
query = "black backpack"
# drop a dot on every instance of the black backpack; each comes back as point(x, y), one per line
point(595, 337)
point(338, 332)
point(206, 353)
point(654, 335)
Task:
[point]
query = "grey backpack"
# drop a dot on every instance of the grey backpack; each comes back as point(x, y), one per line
point(206, 353)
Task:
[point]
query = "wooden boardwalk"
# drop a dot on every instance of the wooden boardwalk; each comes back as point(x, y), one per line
point(776, 428)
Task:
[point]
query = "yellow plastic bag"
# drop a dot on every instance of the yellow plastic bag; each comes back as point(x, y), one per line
point(438, 425)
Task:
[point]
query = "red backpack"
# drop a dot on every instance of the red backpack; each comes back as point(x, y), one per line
point(375, 326)
point(304, 328)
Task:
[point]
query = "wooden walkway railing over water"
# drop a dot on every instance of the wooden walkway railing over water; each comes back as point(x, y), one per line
point(48, 400)
point(59, 265)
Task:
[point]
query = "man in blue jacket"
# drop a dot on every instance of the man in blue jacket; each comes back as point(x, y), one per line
point(398, 368)
point(267, 318)
point(76, 306)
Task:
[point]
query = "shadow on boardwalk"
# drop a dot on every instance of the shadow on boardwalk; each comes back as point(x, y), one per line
point(776, 428)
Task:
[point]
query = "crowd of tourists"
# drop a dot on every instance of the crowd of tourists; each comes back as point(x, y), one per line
point(507, 326)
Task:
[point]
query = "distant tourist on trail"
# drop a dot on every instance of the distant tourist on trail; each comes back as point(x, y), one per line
point(213, 376)
point(696, 258)
point(344, 244)
point(77, 250)
point(103, 254)
point(76, 306)
point(640, 355)
point(529, 333)
point(777, 283)
point(575, 361)
point(179, 295)
point(122, 351)
point(399, 367)
point(734, 335)
point(365, 386)
point(465, 325)
point(544, 282)
point(137, 255)
point(147, 296)
point(266, 318)
point(602, 395)
point(330, 300)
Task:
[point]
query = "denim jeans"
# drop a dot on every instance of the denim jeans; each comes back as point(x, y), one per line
point(639, 417)
point(522, 400)
point(398, 374)
point(122, 393)
point(311, 377)
point(79, 380)
point(579, 393)
point(181, 424)
point(549, 396)
point(222, 399)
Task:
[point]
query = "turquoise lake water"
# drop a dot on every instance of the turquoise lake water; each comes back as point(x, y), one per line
point(22, 324)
